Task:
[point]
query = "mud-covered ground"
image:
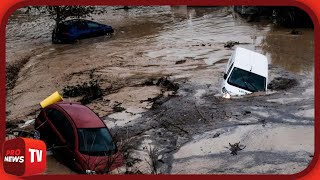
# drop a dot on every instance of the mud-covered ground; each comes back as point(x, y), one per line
point(189, 128)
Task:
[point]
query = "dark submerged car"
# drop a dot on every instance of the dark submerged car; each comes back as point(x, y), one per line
point(78, 138)
point(71, 30)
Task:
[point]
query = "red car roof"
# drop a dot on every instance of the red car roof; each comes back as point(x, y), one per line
point(82, 116)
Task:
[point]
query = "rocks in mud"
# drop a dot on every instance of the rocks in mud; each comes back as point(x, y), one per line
point(234, 148)
point(280, 83)
point(90, 91)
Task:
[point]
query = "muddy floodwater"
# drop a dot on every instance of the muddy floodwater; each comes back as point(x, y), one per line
point(191, 128)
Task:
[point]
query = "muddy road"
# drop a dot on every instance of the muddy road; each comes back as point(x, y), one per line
point(191, 127)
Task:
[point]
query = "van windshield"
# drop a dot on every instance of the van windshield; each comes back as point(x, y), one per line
point(95, 141)
point(247, 80)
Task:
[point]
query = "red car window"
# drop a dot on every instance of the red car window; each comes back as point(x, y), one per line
point(95, 141)
point(62, 124)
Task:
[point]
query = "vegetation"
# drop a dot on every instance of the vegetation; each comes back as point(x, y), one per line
point(89, 91)
point(280, 83)
point(234, 148)
point(292, 17)
point(60, 13)
point(286, 16)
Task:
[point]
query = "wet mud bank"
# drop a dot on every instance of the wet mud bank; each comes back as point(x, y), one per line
point(192, 132)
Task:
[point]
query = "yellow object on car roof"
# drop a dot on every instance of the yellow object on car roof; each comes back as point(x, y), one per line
point(53, 98)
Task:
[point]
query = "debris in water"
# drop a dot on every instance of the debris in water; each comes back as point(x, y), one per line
point(118, 108)
point(295, 32)
point(21, 121)
point(163, 82)
point(181, 62)
point(23, 133)
point(230, 44)
point(234, 148)
point(216, 135)
point(280, 83)
point(149, 82)
point(11, 125)
point(246, 112)
point(169, 85)
point(90, 91)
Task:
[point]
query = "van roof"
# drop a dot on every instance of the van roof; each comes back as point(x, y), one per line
point(251, 61)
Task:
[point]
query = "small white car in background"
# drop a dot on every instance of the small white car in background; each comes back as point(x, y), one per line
point(246, 72)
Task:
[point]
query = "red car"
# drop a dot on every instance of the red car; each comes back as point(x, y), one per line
point(78, 138)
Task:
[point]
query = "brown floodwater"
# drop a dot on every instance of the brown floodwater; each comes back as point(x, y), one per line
point(147, 42)
point(176, 32)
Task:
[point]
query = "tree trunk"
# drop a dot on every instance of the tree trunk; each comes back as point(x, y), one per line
point(58, 14)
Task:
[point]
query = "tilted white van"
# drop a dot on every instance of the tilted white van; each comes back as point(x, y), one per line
point(246, 72)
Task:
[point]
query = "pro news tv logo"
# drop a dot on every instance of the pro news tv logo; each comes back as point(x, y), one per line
point(24, 156)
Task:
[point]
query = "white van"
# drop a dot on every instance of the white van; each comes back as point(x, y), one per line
point(246, 72)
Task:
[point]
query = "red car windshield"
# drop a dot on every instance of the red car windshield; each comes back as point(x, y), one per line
point(95, 141)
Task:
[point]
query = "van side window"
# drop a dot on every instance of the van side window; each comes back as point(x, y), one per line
point(230, 69)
